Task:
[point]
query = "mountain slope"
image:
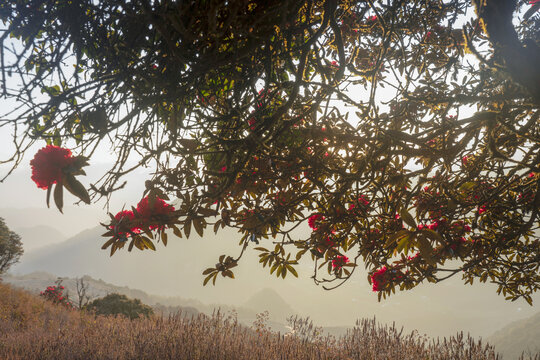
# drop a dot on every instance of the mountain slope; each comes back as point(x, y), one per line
point(38, 236)
point(269, 300)
point(439, 310)
point(71, 222)
point(521, 335)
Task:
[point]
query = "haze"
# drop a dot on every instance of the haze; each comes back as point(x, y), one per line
point(69, 245)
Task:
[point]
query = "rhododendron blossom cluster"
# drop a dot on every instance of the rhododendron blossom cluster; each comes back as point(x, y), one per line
point(55, 165)
point(152, 212)
point(339, 261)
point(55, 295)
point(312, 221)
point(48, 165)
point(152, 216)
point(378, 279)
point(125, 223)
point(382, 278)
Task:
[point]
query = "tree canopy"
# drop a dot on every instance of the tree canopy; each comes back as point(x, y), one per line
point(405, 134)
point(10, 247)
point(117, 304)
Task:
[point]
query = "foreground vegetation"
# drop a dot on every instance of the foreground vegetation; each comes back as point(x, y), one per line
point(32, 328)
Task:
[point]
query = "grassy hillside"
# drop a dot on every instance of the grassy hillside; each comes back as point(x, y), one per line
point(31, 328)
point(439, 310)
point(278, 308)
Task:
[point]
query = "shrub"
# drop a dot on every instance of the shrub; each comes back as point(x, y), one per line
point(56, 296)
point(116, 304)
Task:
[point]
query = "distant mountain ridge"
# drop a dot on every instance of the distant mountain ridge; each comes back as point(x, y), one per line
point(268, 299)
point(38, 281)
point(176, 270)
point(72, 221)
point(39, 236)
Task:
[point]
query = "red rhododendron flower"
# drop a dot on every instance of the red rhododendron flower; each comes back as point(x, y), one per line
point(339, 261)
point(329, 242)
point(47, 165)
point(457, 243)
point(251, 123)
point(363, 200)
point(128, 214)
point(148, 213)
point(125, 220)
point(313, 219)
point(481, 210)
point(378, 279)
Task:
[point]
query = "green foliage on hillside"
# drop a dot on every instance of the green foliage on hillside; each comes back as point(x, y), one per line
point(117, 304)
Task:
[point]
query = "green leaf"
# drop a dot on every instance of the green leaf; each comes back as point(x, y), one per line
point(216, 226)
point(426, 251)
point(59, 196)
point(138, 243)
point(273, 268)
point(468, 186)
point(177, 231)
point(292, 270)
point(107, 243)
point(208, 271)
point(208, 279)
point(113, 249)
point(149, 244)
point(396, 236)
point(409, 220)
point(164, 238)
point(76, 188)
point(199, 226)
point(49, 195)
point(433, 235)
point(403, 243)
point(187, 228)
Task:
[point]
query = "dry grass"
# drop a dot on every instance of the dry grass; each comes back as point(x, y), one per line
point(31, 328)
